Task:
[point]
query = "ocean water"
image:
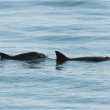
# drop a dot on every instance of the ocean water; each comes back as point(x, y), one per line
point(74, 27)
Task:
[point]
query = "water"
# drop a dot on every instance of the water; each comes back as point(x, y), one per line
point(76, 28)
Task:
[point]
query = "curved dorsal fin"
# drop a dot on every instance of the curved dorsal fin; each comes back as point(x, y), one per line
point(60, 56)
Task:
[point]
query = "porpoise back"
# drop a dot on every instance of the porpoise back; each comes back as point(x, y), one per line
point(61, 57)
point(24, 56)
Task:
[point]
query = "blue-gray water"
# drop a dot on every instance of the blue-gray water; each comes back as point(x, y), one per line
point(73, 27)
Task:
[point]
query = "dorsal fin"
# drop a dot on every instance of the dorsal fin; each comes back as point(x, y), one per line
point(60, 56)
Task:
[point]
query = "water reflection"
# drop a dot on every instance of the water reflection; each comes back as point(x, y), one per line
point(2, 63)
point(59, 65)
point(30, 64)
point(34, 64)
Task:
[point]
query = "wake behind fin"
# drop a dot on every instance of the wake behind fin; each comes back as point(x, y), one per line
point(60, 56)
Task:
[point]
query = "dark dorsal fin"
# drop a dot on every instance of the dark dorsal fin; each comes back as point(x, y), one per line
point(60, 56)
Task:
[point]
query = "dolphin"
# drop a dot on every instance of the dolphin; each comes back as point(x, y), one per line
point(61, 58)
point(23, 56)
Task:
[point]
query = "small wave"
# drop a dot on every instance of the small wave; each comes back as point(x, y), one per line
point(13, 4)
point(63, 3)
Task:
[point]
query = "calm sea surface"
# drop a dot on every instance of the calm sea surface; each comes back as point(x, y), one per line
point(74, 27)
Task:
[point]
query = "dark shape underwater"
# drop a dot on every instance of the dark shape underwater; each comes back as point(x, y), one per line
point(61, 58)
point(24, 56)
